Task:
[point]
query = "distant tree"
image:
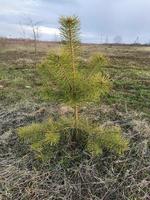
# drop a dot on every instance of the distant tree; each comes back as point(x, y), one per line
point(100, 37)
point(35, 30)
point(118, 39)
point(137, 40)
point(106, 40)
point(66, 81)
point(22, 31)
point(3, 42)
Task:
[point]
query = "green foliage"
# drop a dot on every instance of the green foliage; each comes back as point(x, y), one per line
point(48, 136)
point(58, 79)
point(42, 137)
point(69, 32)
point(97, 61)
point(66, 81)
point(108, 139)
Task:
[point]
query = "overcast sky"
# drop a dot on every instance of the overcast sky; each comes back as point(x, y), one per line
point(101, 20)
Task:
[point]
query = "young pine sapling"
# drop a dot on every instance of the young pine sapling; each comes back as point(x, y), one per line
point(66, 81)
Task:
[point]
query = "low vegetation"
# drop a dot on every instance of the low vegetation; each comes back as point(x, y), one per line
point(75, 85)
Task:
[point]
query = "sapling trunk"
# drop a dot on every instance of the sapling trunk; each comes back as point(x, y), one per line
point(76, 116)
point(71, 46)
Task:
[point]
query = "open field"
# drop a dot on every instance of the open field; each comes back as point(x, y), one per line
point(128, 105)
point(129, 70)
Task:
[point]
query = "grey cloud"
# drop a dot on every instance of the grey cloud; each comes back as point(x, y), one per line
point(128, 18)
point(59, 1)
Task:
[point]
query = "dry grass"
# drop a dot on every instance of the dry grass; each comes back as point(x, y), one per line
point(104, 178)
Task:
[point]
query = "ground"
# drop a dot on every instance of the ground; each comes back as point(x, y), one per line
point(128, 105)
point(129, 69)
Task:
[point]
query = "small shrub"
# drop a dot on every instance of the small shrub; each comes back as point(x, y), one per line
point(44, 138)
point(65, 81)
point(40, 136)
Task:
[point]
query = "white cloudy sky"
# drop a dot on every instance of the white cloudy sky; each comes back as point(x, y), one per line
point(100, 19)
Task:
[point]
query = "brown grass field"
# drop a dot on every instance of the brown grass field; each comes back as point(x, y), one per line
point(128, 105)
